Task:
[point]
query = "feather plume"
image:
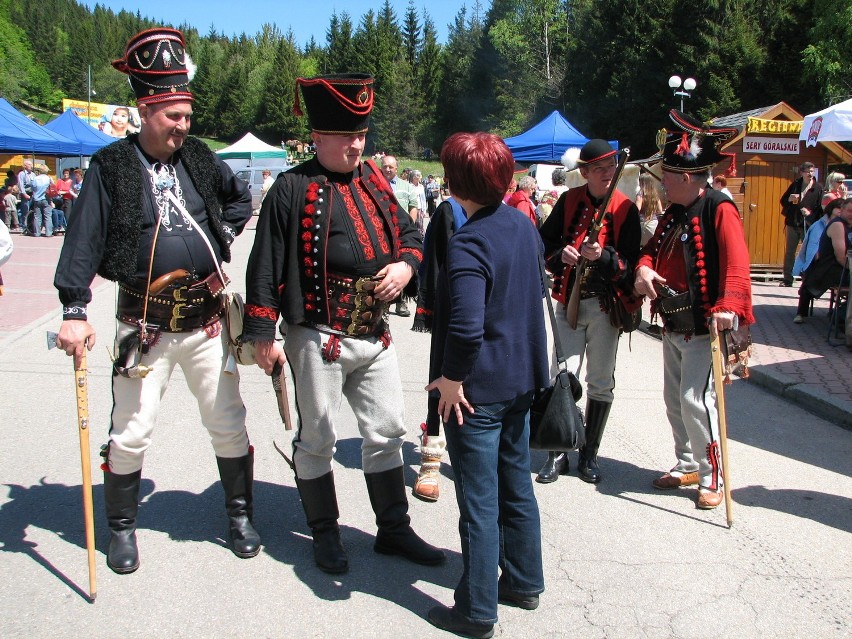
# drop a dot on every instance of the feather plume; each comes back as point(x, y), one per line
point(191, 68)
point(570, 158)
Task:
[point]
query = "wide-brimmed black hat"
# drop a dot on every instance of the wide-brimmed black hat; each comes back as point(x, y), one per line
point(158, 65)
point(692, 146)
point(337, 104)
point(595, 151)
point(592, 151)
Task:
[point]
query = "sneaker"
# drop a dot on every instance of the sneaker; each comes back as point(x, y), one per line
point(798, 319)
point(402, 309)
point(787, 284)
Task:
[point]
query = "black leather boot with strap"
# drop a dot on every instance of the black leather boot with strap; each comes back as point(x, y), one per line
point(237, 474)
point(597, 413)
point(319, 499)
point(395, 536)
point(121, 497)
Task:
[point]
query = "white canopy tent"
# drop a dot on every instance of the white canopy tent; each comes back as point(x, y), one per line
point(250, 151)
point(833, 124)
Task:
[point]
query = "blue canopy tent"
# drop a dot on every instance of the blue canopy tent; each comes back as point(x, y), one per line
point(19, 134)
point(71, 126)
point(547, 140)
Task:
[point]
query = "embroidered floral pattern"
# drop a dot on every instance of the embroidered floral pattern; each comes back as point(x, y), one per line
point(264, 312)
point(374, 217)
point(360, 227)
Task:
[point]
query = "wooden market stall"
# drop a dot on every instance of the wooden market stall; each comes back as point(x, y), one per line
point(768, 154)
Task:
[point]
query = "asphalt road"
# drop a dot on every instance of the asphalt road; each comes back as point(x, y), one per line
point(621, 559)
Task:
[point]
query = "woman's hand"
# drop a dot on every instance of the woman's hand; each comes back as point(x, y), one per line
point(452, 398)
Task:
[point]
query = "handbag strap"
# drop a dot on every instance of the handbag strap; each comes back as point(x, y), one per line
point(560, 354)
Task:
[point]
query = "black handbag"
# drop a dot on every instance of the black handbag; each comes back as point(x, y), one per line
point(556, 423)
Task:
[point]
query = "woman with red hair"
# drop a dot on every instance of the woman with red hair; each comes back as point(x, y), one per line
point(489, 354)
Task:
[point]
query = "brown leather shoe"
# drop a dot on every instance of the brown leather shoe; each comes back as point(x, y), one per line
point(708, 500)
point(426, 487)
point(670, 482)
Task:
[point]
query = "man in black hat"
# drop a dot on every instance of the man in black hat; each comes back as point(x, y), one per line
point(698, 252)
point(158, 214)
point(610, 266)
point(332, 250)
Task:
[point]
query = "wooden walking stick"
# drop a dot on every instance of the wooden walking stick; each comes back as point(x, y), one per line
point(82, 386)
point(719, 385)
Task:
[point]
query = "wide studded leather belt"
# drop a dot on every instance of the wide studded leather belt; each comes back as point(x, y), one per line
point(353, 309)
point(183, 304)
point(592, 284)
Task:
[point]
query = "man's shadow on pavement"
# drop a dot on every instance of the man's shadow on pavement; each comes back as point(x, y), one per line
point(823, 508)
point(622, 480)
point(187, 516)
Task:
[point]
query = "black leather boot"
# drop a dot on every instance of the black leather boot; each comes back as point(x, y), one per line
point(395, 536)
point(237, 475)
point(596, 415)
point(319, 499)
point(121, 497)
point(556, 464)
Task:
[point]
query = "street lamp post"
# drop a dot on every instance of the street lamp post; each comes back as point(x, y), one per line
point(89, 93)
point(688, 85)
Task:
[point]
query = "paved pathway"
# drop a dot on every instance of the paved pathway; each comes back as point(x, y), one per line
point(621, 559)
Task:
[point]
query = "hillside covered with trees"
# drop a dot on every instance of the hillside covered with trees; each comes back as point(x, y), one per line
point(604, 65)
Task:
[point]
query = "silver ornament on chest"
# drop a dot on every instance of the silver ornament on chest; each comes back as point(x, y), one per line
point(164, 179)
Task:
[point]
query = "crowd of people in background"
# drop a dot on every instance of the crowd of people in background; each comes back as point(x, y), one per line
point(34, 203)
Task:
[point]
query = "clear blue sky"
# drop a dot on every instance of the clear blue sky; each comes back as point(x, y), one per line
point(305, 17)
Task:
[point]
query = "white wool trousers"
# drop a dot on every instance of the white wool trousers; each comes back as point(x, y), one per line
point(136, 402)
point(367, 375)
point(594, 340)
point(691, 406)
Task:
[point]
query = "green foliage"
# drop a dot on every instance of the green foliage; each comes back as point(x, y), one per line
point(827, 60)
point(506, 64)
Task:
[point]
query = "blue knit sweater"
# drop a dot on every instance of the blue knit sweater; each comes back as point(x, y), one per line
point(489, 323)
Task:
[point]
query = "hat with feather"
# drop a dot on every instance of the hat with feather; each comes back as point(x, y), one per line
point(692, 146)
point(592, 151)
point(158, 66)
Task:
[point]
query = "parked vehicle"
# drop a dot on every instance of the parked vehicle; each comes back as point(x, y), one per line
point(253, 175)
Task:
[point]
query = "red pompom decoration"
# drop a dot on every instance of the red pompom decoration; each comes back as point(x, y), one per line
point(310, 209)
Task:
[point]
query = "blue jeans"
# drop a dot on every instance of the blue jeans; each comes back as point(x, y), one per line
point(43, 214)
point(59, 221)
point(498, 514)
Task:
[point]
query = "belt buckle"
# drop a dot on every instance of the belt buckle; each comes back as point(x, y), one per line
point(176, 315)
point(178, 294)
point(361, 284)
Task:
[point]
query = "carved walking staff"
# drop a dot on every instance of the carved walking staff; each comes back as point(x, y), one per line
point(719, 385)
point(81, 385)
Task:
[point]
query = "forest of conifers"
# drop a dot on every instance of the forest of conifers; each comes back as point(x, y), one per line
point(604, 64)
